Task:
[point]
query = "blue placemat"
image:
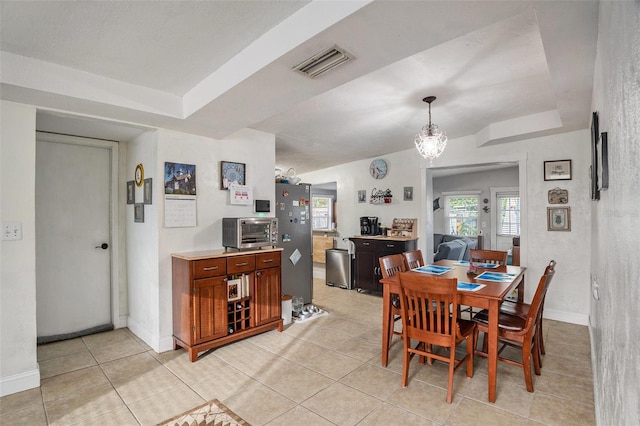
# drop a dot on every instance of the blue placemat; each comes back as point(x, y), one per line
point(495, 276)
point(465, 286)
point(433, 269)
point(479, 265)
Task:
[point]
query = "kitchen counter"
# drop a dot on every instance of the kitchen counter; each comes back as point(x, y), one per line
point(208, 254)
point(383, 238)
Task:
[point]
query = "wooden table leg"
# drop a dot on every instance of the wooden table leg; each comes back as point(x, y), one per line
point(494, 307)
point(386, 323)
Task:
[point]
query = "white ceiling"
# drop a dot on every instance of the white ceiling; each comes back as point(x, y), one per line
point(502, 71)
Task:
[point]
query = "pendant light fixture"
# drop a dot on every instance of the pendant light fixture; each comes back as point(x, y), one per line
point(431, 141)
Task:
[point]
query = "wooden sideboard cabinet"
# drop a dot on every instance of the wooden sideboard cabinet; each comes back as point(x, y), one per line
point(204, 317)
point(368, 251)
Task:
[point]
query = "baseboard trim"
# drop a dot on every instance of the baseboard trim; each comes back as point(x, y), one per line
point(143, 334)
point(570, 317)
point(20, 382)
point(166, 344)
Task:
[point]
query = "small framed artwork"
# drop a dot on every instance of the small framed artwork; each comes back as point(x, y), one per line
point(595, 136)
point(234, 291)
point(232, 174)
point(362, 196)
point(557, 170)
point(558, 196)
point(408, 193)
point(148, 194)
point(131, 193)
point(604, 159)
point(138, 212)
point(558, 218)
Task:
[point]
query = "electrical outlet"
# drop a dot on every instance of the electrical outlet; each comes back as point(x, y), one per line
point(11, 231)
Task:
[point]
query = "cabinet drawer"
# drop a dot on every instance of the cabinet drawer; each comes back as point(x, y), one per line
point(268, 260)
point(240, 264)
point(209, 268)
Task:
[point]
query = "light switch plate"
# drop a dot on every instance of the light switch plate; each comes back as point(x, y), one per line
point(11, 231)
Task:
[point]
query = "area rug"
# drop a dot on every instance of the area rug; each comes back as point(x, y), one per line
point(212, 413)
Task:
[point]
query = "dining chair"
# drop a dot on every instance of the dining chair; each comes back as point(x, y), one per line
point(413, 259)
point(485, 256)
point(390, 266)
point(521, 310)
point(519, 332)
point(488, 256)
point(428, 319)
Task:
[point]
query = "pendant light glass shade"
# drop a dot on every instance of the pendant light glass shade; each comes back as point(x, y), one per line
point(431, 141)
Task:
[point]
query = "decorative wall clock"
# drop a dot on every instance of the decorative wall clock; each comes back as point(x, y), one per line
point(378, 169)
point(139, 175)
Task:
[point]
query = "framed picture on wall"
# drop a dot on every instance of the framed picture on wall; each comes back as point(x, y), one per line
point(131, 192)
point(138, 212)
point(558, 218)
point(557, 170)
point(232, 174)
point(408, 193)
point(148, 194)
point(595, 136)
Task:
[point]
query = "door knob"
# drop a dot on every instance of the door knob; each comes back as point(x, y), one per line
point(103, 246)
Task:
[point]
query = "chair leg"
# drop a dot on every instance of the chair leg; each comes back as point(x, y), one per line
point(405, 362)
point(536, 356)
point(471, 345)
point(541, 337)
point(452, 364)
point(526, 365)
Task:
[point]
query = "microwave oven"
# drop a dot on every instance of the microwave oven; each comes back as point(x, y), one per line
point(249, 232)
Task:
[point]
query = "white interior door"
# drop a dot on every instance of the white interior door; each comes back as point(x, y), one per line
point(73, 272)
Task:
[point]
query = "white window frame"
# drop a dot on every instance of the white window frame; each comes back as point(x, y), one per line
point(459, 194)
point(329, 213)
point(494, 209)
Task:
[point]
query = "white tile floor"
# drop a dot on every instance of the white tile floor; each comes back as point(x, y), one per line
point(322, 372)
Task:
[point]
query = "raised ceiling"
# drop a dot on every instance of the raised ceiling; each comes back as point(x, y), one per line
point(502, 71)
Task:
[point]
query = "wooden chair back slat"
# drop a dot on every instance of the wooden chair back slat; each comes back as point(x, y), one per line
point(413, 259)
point(488, 256)
point(391, 265)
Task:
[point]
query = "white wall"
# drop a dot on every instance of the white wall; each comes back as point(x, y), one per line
point(569, 296)
point(18, 359)
point(150, 244)
point(403, 170)
point(142, 243)
point(615, 343)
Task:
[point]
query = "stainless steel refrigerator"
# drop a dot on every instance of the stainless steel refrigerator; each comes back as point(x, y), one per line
point(293, 210)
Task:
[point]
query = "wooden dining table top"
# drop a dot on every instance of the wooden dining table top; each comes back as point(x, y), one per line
point(491, 290)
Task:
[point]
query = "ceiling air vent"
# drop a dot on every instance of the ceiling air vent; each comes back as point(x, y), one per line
point(322, 62)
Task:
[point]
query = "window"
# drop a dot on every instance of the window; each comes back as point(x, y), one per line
point(508, 210)
point(461, 214)
point(322, 212)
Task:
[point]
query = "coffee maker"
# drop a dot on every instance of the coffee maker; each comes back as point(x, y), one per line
point(369, 225)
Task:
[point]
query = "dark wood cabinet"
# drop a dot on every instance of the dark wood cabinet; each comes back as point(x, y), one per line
point(268, 288)
point(368, 251)
point(203, 315)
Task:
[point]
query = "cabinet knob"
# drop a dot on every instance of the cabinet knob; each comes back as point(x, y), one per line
point(258, 273)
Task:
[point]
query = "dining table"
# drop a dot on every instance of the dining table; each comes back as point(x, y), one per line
point(489, 297)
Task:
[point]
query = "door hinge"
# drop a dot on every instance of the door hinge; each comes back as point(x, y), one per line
point(193, 328)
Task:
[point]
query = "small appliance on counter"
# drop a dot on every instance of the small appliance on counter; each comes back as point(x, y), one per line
point(244, 233)
point(369, 225)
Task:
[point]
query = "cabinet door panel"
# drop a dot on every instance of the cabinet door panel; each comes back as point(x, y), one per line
point(268, 293)
point(210, 309)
